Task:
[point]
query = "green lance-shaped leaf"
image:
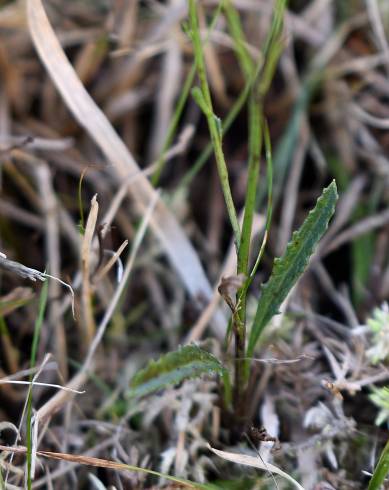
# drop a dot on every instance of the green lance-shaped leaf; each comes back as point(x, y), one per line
point(188, 362)
point(288, 268)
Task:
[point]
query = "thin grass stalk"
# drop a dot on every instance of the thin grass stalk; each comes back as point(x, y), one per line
point(269, 212)
point(180, 106)
point(203, 98)
point(259, 89)
point(255, 143)
point(34, 350)
point(226, 124)
point(237, 34)
point(173, 124)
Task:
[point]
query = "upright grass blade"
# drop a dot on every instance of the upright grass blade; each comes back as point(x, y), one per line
point(381, 470)
point(269, 212)
point(226, 125)
point(362, 256)
point(188, 362)
point(269, 179)
point(113, 465)
point(237, 34)
point(180, 107)
point(288, 140)
point(34, 349)
point(272, 51)
point(291, 265)
point(203, 98)
point(173, 124)
point(262, 80)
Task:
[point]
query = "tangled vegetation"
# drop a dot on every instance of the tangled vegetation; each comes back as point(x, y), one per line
point(194, 263)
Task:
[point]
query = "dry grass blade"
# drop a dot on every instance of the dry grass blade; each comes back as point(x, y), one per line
point(363, 226)
point(107, 267)
point(96, 462)
point(50, 211)
point(119, 290)
point(255, 462)
point(87, 312)
point(174, 241)
point(37, 383)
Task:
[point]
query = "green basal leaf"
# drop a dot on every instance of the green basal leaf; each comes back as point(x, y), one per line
point(381, 470)
point(291, 265)
point(188, 362)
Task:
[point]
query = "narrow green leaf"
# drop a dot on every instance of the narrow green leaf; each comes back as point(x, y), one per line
point(33, 356)
point(291, 265)
point(207, 152)
point(238, 37)
point(171, 131)
point(184, 93)
point(269, 212)
point(200, 101)
point(213, 128)
point(188, 362)
point(381, 470)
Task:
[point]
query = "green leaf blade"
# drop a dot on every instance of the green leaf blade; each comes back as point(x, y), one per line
point(188, 362)
point(291, 265)
point(381, 470)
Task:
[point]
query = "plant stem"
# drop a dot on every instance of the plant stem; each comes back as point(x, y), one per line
point(180, 107)
point(203, 98)
point(255, 144)
point(34, 350)
point(206, 153)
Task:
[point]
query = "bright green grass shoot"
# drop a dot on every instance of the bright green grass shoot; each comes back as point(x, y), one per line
point(381, 470)
point(180, 106)
point(202, 96)
point(34, 350)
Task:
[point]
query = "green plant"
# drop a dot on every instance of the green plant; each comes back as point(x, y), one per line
point(191, 361)
point(378, 325)
point(380, 398)
point(381, 470)
point(34, 350)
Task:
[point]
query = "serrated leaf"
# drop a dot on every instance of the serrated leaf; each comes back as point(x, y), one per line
point(291, 265)
point(188, 362)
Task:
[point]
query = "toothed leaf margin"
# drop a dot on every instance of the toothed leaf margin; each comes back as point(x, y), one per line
point(288, 268)
point(187, 362)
